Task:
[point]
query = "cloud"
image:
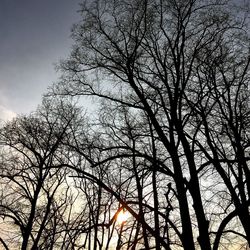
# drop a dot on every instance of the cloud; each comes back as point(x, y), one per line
point(34, 35)
point(6, 114)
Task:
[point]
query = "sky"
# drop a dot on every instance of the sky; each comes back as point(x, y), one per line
point(34, 36)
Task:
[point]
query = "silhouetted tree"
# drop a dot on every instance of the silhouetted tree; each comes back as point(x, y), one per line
point(36, 199)
point(172, 79)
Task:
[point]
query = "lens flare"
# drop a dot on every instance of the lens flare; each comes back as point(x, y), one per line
point(122, 216)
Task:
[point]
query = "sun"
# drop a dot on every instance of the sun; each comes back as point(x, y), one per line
point(122, 216)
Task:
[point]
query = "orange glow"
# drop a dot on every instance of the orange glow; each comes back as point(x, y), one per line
point(122, 216)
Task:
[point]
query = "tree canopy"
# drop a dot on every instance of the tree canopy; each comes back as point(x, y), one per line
point(168, 143)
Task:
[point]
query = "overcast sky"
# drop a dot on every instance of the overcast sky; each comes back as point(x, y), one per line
point(34, 35)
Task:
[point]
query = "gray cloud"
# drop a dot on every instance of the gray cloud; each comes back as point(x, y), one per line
point(34, 34)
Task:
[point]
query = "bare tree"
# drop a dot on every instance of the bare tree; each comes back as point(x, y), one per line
point(171, 70)
point(223, 116)
point(35, 196)
point(170, 144)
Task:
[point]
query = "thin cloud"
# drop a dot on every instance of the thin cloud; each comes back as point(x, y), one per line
point(6, 114)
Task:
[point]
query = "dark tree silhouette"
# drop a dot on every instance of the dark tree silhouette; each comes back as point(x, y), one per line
point(36, 198)
point(168, 143)
point(172, 78)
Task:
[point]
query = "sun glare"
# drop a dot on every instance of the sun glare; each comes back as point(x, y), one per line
point(122, 216)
